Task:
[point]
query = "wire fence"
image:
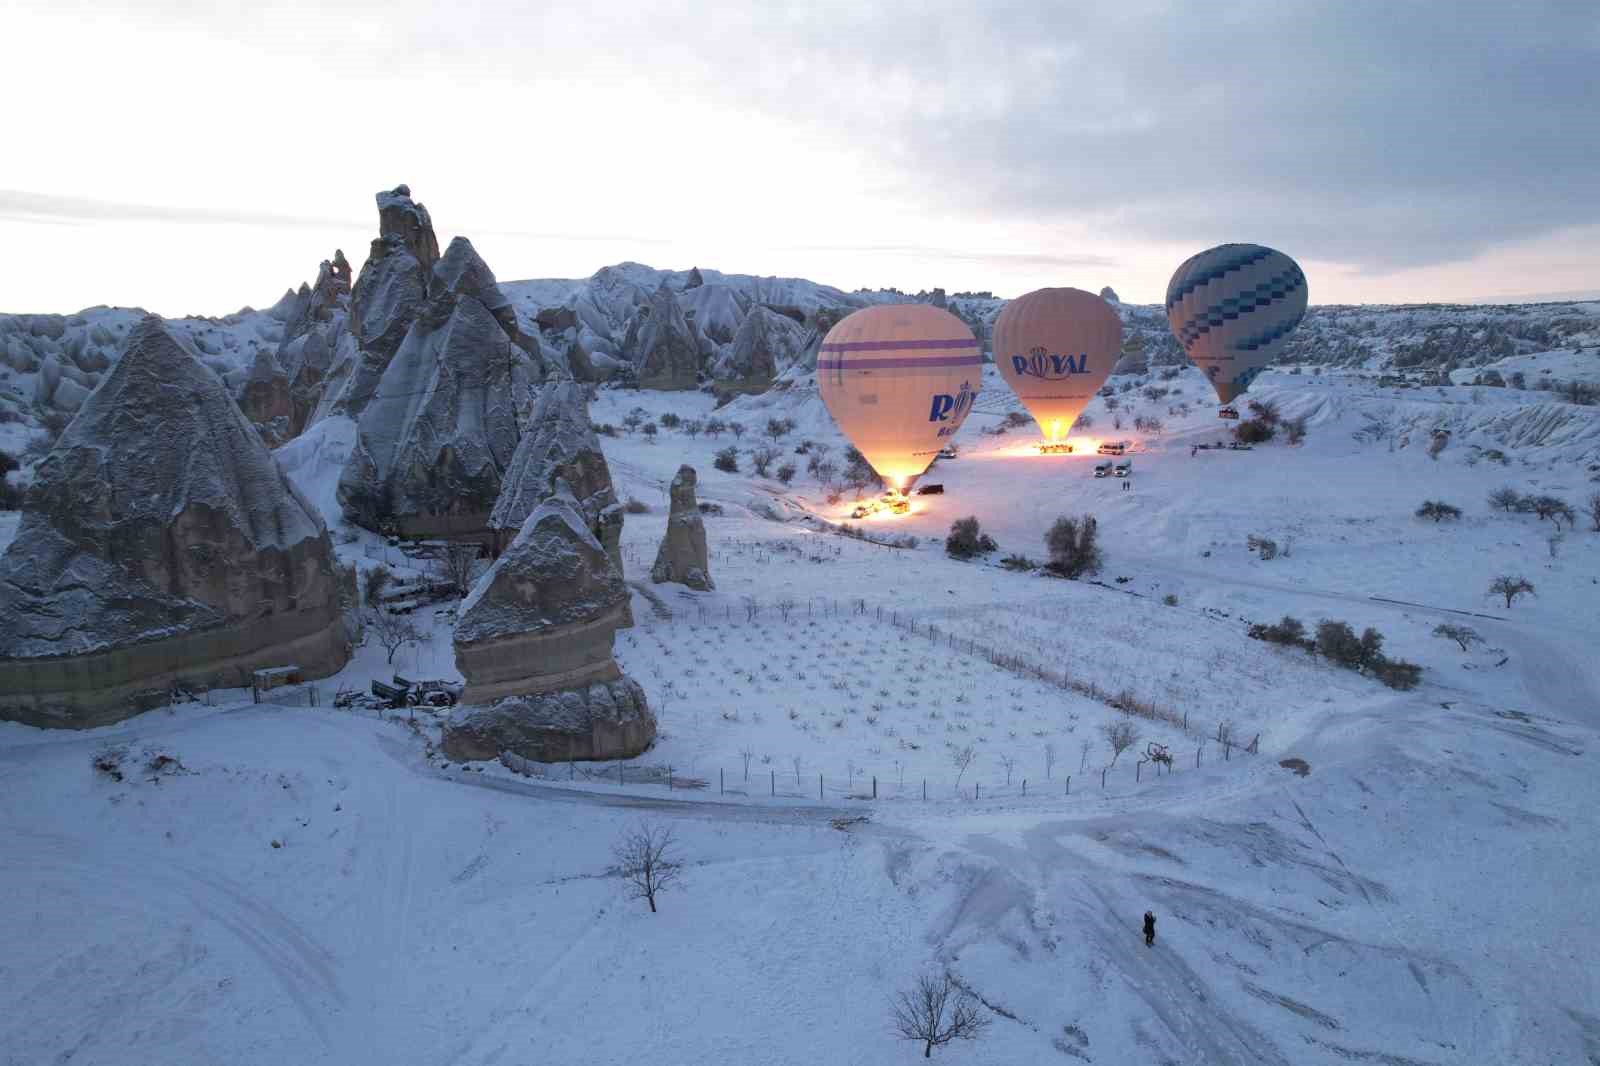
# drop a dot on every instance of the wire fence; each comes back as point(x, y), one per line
point(807, 784)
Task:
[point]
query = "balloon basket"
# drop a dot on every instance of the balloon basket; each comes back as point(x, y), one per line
point(890, 502)
point(1055, 449)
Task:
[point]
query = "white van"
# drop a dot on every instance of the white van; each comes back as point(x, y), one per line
point(1103, 469)
point(1124, 468)
point(1113, 447)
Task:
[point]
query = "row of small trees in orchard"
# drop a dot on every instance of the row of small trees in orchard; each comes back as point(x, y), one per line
point(1073, 544)
point(1339, 644)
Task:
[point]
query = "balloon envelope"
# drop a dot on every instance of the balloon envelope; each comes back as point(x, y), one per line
point(1055, 348)
point(1231, 307)
point(899, 380)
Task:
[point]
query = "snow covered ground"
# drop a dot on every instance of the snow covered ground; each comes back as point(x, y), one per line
point(306, 885)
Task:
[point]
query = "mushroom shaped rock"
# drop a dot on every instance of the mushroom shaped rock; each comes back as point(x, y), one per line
point(682, 557)
point(605, 720)
point(542, 618)
point(160, 546)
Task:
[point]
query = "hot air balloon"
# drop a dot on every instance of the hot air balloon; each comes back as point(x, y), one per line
point(1055, 347)
point(899, 380)
point(1231, 308)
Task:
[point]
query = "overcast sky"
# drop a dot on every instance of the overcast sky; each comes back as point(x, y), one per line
point(194, 157)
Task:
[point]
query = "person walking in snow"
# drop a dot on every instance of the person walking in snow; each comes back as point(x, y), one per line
point(1149, 929)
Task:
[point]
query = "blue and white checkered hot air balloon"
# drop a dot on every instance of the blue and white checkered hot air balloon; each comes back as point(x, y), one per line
point(1231, 307)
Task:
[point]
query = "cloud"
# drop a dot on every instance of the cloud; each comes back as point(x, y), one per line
point(17, 205)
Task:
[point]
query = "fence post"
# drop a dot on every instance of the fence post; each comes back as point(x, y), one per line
point(1069, 784)
point(819, 786)
point(1137, 768)
point(1024, 786)
point(1227, 750)
point(977, 790)
point(773, 783)
point(572, 770)
point(720, 789)
point(1103, 770)
point(874, 786)
point(924, 790)
point(669, 779)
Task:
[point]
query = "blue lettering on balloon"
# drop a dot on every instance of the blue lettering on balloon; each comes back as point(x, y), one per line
point(1040, 364)
point(946, 407)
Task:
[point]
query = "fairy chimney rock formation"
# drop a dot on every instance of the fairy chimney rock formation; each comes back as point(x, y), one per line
point(682, 557)
point(534, 642)
point(160, 545)
point(440, 426)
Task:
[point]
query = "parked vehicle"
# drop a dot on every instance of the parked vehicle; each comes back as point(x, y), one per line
point(936, 489)
point(1124, 468)
point(1113, 447)
point(1103, 469)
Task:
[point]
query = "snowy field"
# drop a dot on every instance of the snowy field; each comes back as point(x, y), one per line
point(307, 885)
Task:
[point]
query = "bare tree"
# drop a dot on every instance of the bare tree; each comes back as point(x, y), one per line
point(1121, 736)
point(937, 1012)
point(1511, 586)
point(962, 758)
point(1591, 506)
point(1554, 508)
point(785, 604)
point(1462, 635)
point(762, 458)
point(1554, 541)
point(1010, 763)
point(795, 761)
point(1083, 762)
point(394, 631)
point(457, 565)
point(752, 607)
point(1049, 759)
point(646, 861)
point(1506, 498)
point(747, 754)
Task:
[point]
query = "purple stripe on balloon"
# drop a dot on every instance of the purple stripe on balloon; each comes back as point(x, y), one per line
point(891, 364)
point(896, 346)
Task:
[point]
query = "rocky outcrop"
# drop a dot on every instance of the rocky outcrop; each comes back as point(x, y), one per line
point(606, 720)
point(1109, 295)
point(560, 445)
point(160, 545)
point(682, 556)
point(534, 642)
point(434, 440)
point(661, 346)
point(766, 345)
point(265, 401)
point(390, 293)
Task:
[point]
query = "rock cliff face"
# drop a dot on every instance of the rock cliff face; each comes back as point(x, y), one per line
point(661, 346)
point(440, 427)
point(160, 544)
point(534, 642)
point(559, 444)
point(682, 557)
point(389, 294)
point(765, 345)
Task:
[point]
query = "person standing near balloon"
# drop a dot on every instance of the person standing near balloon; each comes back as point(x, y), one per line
point(1232, 307)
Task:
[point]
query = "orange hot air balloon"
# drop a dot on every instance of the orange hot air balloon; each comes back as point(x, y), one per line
point(899, 380)
point(1055, 348)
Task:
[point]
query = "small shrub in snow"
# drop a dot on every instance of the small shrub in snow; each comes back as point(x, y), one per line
point(670, 420)
point(1462, 635)
point(649, 430)
point(967, 539)
point(1268, 549)
point(1074, 546)
point(1120, 736)
point(1438, 510)
point(1506, 499)
point(1254, 431)
point(737, 429)
point(1170, 600)
point(727, 460)
point(603, 429)
point(1019, 563)
point(1338, 643)
point(1398, 674)
point(786, 473)
point(777, 428)
point(762, 458)
point(1554, 508)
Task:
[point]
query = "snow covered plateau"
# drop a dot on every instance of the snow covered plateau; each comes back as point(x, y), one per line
point(1341, 872)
